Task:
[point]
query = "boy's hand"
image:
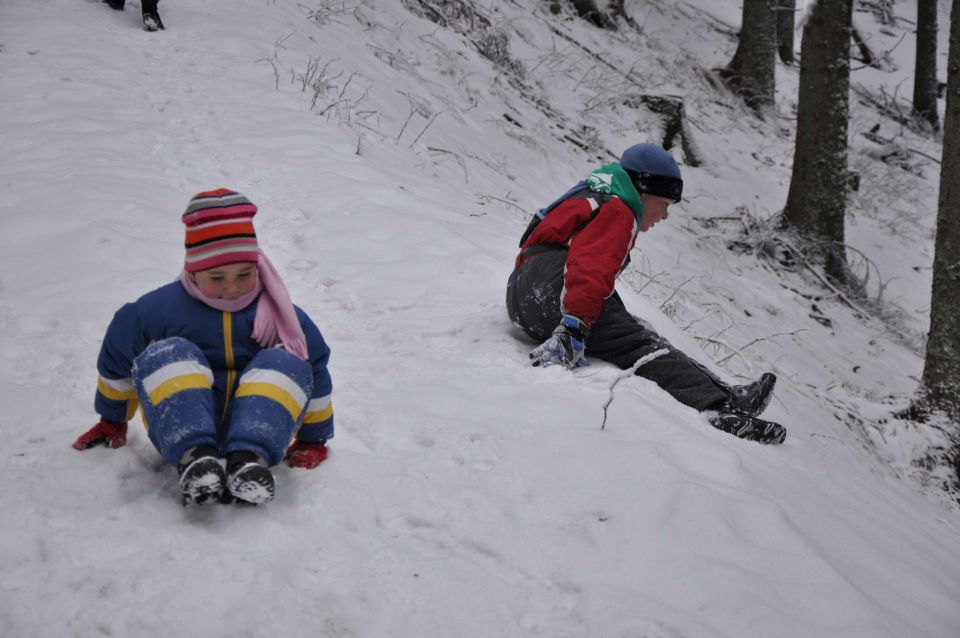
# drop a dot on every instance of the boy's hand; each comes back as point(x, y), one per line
point(565, 346)
point(306, 455)
point(105, 433)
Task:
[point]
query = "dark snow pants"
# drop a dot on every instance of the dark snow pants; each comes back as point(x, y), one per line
point(533, 303)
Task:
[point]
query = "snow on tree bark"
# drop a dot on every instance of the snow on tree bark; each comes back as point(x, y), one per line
point(925, 73)
point(589, 11)
point(816, 201)
point(751, 73)
point(941, 371)
point(785, 25)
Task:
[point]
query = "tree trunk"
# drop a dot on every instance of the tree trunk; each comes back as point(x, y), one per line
point(751, 72)
point(817, 199)
point(589, 11)
point(941, 370)
point(785, 21)
point(925, 74)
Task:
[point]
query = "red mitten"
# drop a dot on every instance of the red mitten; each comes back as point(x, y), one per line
point(306, 455)
point(105, 433)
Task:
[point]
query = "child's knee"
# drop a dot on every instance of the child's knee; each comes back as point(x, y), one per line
point(280, 361)
point(166, 351)
point(167, 368)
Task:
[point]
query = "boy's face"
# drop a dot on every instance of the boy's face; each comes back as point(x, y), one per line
point(654, 210)
point(227, 282)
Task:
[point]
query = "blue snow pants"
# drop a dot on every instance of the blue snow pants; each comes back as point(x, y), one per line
point(174, 384)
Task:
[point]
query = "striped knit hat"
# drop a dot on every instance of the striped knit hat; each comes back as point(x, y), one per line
point(219, 230)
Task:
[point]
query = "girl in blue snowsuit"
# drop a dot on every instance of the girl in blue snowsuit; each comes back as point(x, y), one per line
point(221, 363)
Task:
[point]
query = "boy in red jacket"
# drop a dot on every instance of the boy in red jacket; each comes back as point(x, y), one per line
point(562, 293)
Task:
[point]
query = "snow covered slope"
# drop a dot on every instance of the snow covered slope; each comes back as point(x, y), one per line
point(395, 159)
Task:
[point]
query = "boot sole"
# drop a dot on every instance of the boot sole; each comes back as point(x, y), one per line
point(252, 483)
point(202, 482)
point(767, 390)
point(766, 385)
point(750, 428)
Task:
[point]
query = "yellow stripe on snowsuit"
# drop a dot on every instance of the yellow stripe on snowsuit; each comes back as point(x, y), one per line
point(176, 377)
point(275, 386)
point(228, 353)
point(132, 406)
point(318, 410)
point(116, 389)
point(120, 390)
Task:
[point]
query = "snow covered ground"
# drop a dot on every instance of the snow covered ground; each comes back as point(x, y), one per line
point(466, 494)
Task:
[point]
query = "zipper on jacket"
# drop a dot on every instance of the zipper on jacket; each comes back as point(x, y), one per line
point(228, 353)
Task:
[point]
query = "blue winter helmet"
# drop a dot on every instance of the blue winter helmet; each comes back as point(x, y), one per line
point(653, 170)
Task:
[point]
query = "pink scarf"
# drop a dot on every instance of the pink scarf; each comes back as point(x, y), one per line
point(276, 321)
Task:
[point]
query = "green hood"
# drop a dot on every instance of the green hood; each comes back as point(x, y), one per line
point(612, 179)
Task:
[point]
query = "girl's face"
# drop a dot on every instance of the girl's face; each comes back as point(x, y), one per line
point(227, 282)
point(654, 210)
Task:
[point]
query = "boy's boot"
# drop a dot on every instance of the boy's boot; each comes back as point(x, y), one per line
point(151, 18)
point(201, 476)
point(752, 399)
point(250, 479)
point(750, 428)
point(115, 4)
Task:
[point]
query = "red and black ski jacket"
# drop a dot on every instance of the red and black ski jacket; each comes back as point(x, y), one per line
point(598, 232)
